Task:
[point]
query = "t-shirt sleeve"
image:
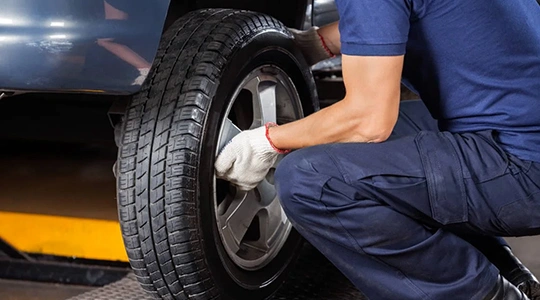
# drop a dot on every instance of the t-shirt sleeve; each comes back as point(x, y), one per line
point(374, 27)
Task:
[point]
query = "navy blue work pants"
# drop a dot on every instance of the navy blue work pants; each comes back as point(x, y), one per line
point(399, 218)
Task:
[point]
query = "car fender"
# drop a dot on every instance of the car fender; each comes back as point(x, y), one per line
point(97, 46)
point(65, 45)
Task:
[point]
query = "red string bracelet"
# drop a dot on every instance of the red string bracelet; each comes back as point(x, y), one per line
point(280, 151)
point(330, 53)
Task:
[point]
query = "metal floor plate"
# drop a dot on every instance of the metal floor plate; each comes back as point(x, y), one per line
point(30, 290)
point(314, 278)
point(125, 289)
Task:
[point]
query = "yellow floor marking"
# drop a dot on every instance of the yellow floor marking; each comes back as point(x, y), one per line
point(63, 236)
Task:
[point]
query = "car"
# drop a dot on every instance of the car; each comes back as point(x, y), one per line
point(195, 73)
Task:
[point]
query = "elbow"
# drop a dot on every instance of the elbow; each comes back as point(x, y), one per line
point(377, 130)
point(367, 134)
point(381, 138)
point(378, 136)
point(373, 122)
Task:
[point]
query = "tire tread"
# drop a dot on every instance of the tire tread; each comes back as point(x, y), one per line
point(158, 155)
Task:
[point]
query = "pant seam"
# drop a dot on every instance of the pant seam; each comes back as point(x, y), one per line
point(341, 171)
point(509, 229)
point(411, 121)
point(360, 249)
point(350, 236)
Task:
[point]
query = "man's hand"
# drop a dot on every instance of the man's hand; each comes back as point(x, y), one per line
point(246, 159)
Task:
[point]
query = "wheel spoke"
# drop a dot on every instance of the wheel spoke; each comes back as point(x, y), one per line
point(263, 91)
point(238, 216)
point(229, 131)
point(272, 222)
point(267, 98)
point(267, 193)
point(278, 160)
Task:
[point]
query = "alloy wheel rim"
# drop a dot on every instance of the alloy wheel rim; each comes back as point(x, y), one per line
point(252, 225)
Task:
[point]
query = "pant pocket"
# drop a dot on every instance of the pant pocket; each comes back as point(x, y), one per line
point(522, 217)
point(444, 177)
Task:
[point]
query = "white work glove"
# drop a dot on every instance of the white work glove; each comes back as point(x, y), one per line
point(312, 45)
point(246, 159)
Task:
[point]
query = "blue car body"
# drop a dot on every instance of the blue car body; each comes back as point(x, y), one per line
point(99, 46)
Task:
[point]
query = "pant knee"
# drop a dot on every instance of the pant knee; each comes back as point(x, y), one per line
point(293, 168)
point(301, 175)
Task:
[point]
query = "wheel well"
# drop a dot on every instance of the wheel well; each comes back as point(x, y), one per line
point(291, 12)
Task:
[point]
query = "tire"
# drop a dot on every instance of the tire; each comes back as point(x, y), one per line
point(180, 225)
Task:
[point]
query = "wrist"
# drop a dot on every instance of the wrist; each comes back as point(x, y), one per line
point(312, 44)
point(269, 127)
point(325, 46)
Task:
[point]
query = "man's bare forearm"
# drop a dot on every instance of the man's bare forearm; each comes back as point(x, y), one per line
point(339, 123)
point(368, 112)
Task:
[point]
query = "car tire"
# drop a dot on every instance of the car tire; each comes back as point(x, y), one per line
point(217, 72)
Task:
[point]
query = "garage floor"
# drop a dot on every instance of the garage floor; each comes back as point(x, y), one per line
point(323, 283)
point(24, 290)
point(53, 178)
point(59, 163)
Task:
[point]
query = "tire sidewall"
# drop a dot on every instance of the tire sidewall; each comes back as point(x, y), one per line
point(269, 47)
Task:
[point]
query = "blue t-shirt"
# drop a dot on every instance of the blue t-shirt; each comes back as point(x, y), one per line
point(475, 63)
